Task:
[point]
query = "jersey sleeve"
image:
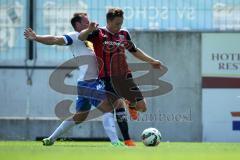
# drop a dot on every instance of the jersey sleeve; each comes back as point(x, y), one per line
point(70, 38)
point(94, 36)
point(131, 47)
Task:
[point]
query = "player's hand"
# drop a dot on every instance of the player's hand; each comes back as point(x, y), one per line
point(156, 64)
point(92, 26)
point(30, 34)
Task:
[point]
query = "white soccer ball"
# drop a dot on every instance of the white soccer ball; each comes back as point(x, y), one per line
point(151, 137)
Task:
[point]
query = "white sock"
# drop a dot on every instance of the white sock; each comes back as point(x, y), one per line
point(62, 128)
point(109, 127)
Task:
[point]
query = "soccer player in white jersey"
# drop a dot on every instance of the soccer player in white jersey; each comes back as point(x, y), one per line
point(87, 77)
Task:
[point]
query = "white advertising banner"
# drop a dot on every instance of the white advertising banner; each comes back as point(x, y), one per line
point(221, 87)
point(221, 115)
point(221, 55)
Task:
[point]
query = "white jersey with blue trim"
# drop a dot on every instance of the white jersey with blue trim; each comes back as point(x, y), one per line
point(79, 48)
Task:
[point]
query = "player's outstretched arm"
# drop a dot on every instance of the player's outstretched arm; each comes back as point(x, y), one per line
point(44, 39)
point(84, 33)
point(146, 58)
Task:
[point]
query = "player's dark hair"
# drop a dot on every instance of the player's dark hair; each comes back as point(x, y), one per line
point(77, 17)
point(114, 12)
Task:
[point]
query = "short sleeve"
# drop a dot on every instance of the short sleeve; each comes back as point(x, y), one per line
point(93, 37)
point(131, 46)
point(70, 37)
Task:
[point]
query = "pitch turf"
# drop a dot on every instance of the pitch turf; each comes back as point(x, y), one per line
point(12, 150)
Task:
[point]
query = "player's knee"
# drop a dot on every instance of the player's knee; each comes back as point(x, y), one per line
point(105, 107)
point(141, 106)
point(79, 117)
point(120, 103)
point(77, 120)
point(142, 109)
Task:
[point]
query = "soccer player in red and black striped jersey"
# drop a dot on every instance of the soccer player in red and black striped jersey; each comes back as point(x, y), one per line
point(110, 43)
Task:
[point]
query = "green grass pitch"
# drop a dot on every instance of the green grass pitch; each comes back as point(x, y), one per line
point(24, 150)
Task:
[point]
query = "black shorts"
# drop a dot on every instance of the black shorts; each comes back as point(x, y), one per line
point(122, 87)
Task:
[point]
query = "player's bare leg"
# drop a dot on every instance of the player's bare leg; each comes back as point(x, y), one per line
point(134, 108)
point(77, 118)
point(80, 117)
point(64, 126)
point(141, 106)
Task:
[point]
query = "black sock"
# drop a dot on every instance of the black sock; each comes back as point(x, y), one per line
point(122, 122)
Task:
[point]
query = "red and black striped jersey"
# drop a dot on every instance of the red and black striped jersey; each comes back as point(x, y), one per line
point(110, 51)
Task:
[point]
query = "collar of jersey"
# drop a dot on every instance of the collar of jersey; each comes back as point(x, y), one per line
point(108, 30)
